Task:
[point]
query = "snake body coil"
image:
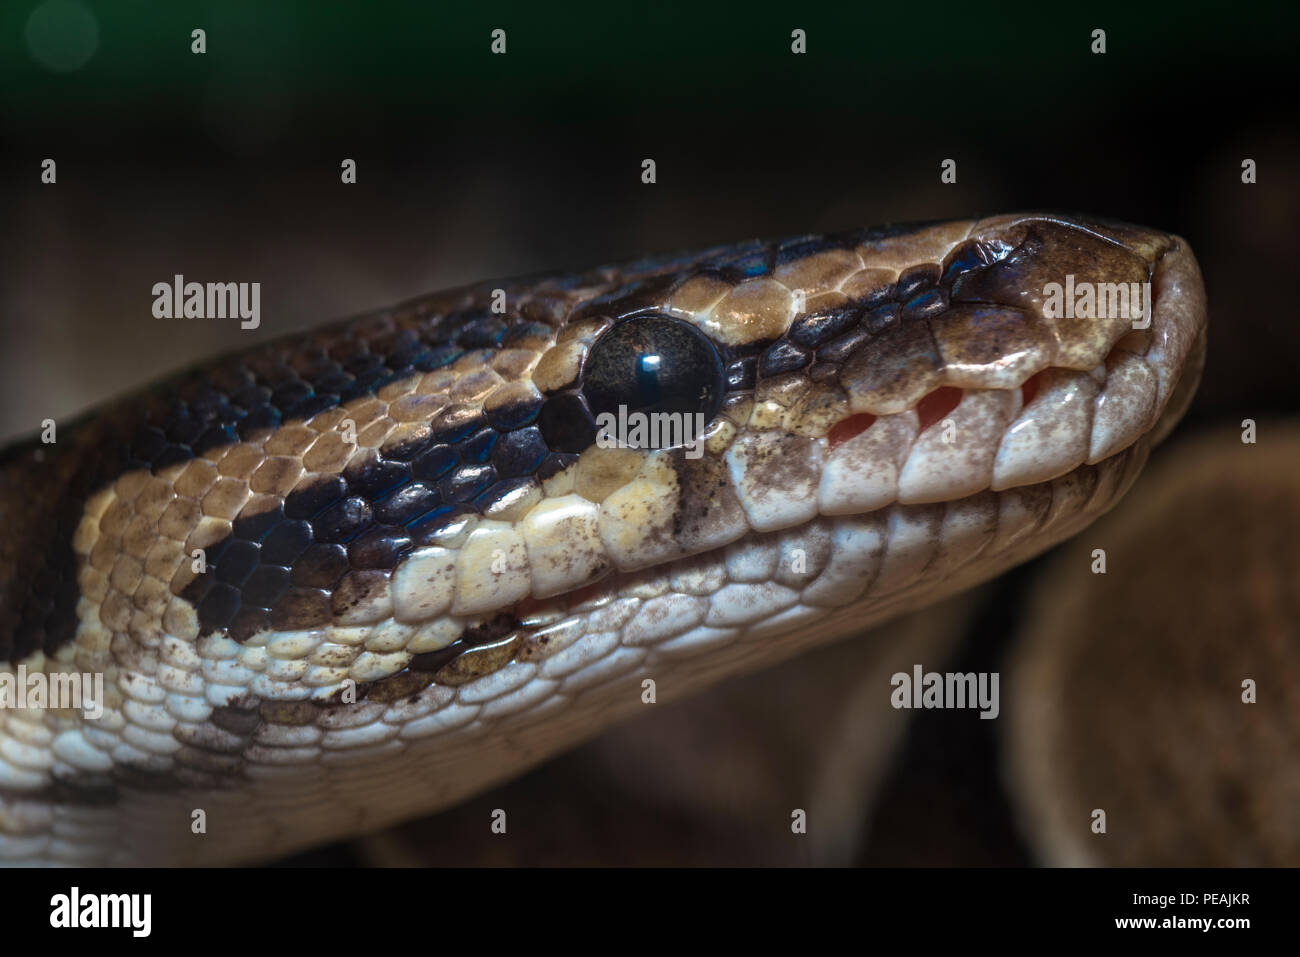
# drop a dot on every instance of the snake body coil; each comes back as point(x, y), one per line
point(360, 573)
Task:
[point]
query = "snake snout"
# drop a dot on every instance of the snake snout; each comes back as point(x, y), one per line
point(1048, 342)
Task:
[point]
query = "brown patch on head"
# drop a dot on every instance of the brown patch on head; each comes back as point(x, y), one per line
point(1053, 252)
point(973, 337)
point(892, 371)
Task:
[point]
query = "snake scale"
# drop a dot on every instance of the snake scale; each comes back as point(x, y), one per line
point(358, 574)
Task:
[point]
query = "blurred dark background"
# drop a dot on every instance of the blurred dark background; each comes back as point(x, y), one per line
point(226, 166)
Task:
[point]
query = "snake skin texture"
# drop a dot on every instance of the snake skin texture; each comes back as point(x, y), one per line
point(361, 573)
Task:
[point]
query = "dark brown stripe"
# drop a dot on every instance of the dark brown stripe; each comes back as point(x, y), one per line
point(332, 546)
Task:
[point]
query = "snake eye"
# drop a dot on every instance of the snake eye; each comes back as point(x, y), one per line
point(653, 364)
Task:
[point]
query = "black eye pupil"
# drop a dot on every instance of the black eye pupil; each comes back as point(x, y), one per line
point(653, 364)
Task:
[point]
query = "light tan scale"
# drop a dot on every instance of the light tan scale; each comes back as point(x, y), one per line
point(823, 503)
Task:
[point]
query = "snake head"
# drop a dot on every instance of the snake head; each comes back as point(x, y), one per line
point(842, 374)
point(372, 560)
